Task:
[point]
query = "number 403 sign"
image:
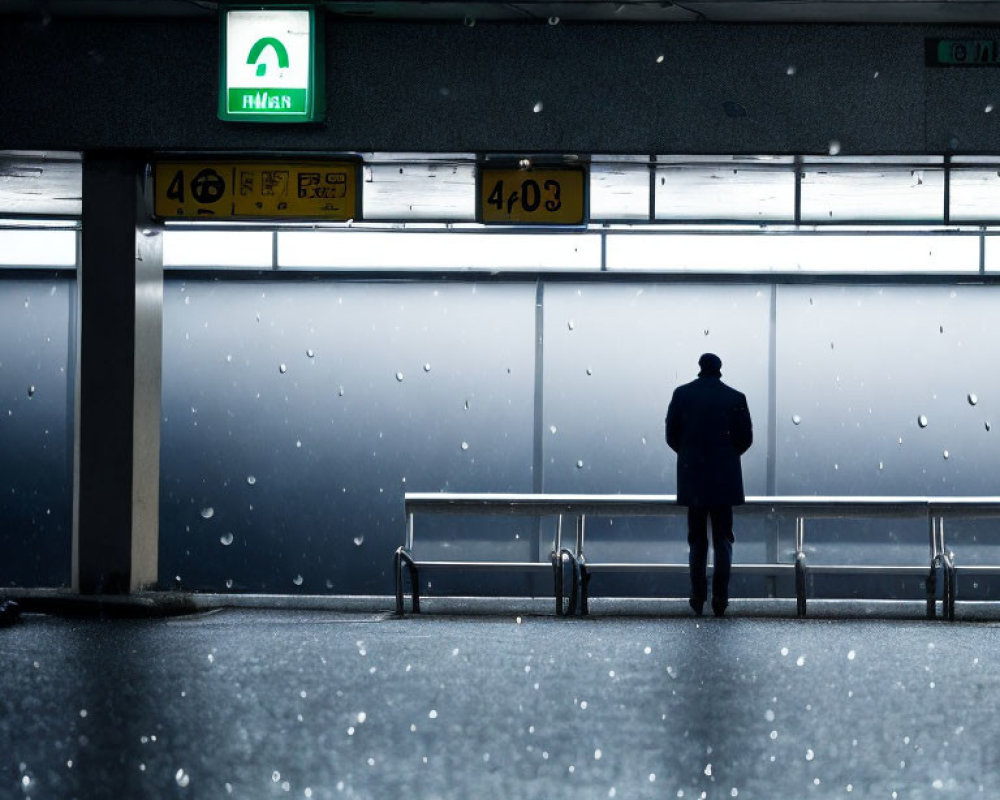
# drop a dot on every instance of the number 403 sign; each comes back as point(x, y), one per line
point(539, 196)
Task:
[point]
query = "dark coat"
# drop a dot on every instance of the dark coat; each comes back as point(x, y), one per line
point(708, 425)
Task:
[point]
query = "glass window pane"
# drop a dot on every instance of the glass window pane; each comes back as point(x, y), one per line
point(420, 191)
point(38, 248)
point(725, 192)
point(868, 192)
point(619, 190)
point(840, 253)
point(991, 254)
point(217, 249)
point(359, 249)
point(974, 194)
point(41, 185)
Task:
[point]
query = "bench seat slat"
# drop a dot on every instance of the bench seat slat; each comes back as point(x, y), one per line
point(524, 566)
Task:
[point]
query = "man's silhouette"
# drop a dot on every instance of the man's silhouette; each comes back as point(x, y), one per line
point(708, 425)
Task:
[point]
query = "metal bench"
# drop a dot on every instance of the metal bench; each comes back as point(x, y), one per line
point(455, 504)
point(932, 511)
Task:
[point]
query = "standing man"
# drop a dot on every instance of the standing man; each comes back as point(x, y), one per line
point(708, 426)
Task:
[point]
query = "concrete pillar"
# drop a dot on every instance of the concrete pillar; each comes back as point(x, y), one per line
point(117, 430)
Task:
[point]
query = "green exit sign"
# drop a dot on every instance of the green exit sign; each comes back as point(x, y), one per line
point(962, 52)
point(270, 64)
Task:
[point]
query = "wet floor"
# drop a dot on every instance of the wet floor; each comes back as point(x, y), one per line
point(299, 704)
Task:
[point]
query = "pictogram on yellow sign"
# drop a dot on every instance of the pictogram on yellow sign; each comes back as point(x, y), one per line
point(324, 190)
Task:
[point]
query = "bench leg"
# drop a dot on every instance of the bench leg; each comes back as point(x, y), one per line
point(584, 588)
point(800, 584)
point(932, 590)
point(401, 558)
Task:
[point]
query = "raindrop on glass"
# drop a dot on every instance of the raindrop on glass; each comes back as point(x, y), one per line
point(659, 59)
point(251, 480)
point(465, 445)
point(226, 539)
point(988, 426)
point(579, 464)
point(553, 20)
point(229, 583)
point(571, 325)
point(182, 778)
point(834, 147)
point(399, 377)
point(946, 455)
point(31, 391)
point(796, 419)
point(881, 466)
point(340, 391)
point(275, 776)
point(791, 70)
point(973, 398)
point(469, 22)
point(922, 421)
point(989, 108)
point(590, 371)
point(311, 353)
point(553, 429)
point(427, 367)
point(298, 580)
point(207, 513)
point(538, 107)
point(359, 540)
point(282, 369)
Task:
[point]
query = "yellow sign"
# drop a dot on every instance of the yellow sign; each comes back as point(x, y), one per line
point(539, 196)
point(325, 190)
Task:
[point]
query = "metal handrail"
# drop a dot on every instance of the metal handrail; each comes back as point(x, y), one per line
point(932, 509)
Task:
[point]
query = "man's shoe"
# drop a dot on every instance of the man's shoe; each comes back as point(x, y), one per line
point(719, 608)
point(696, 606)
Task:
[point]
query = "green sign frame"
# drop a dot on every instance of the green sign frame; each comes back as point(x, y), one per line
point(293, 91)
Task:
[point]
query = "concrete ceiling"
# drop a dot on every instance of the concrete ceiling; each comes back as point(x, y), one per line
point(943, 12)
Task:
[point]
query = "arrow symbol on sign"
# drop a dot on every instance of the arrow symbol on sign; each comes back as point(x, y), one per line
point(258, 49)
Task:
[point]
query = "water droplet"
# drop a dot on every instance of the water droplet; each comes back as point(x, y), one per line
point(537, 107)
point(881, 465)
point(973, 399)
point(433, 714)
point(553, 429)
point(659, 59)
point(251, 480)
point(796, 419)
point(597, 754)
point(590, 371)
point(359, 540)
point(834, 147)
point(946, 455)
point(988, 426)
point(275, 776)
point(579, 464)
point(850, 655)
point(399, 377)
point(298, 580)
point(208, 513)
point(810, 755)
point(571, 324)
point(311, 353)
point(340, 391)
point(553, 20)
point(708, 770)
point(791, 70)
point(282, 369)
point(469, 22)
point(229, 583)
point(989, 108)
point(226, 539)
point(182, 778)
point(31, 391)
point(800, 661)
point(922, 421)
point(427, 367)
point(465, 445)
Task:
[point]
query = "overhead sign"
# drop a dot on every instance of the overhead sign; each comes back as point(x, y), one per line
point(963, 52)
point(533, 196)
point(271, 68)
point(320, 190)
